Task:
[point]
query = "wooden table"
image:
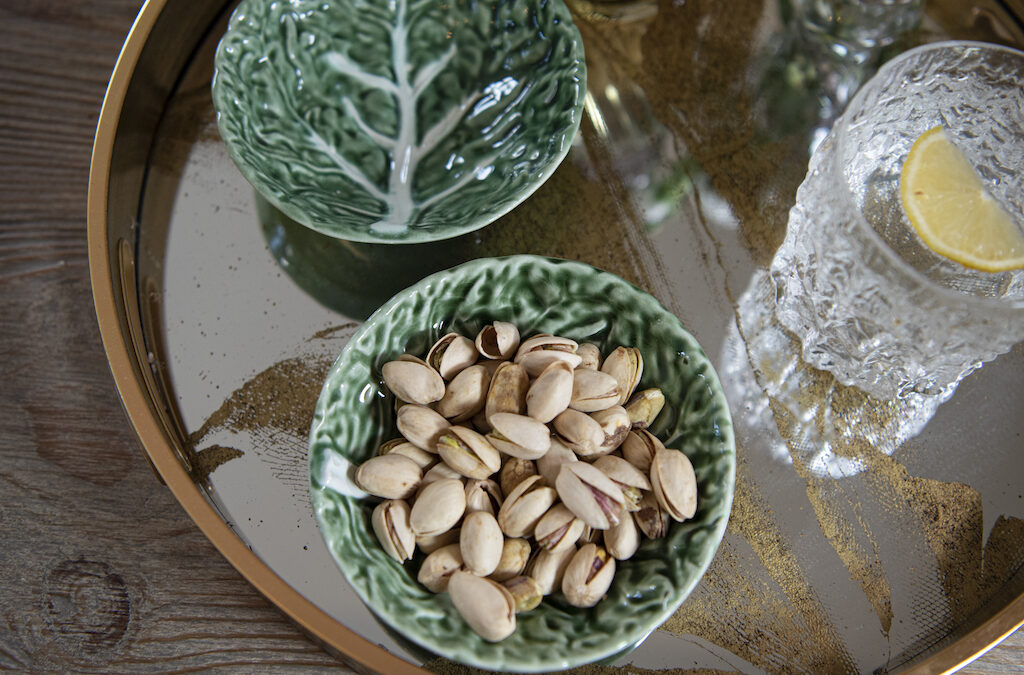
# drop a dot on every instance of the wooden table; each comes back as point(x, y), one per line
point(100, 569)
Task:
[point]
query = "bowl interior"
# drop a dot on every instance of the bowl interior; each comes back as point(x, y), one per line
point(355, 414)
point(400, 121)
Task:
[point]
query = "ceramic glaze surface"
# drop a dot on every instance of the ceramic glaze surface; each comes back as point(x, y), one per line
point(355, 413)
point(398, 121)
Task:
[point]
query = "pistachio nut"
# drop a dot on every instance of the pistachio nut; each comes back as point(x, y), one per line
point(526, 592)
point(483, 495)
point(590, 356)
point(674, 483)
point(588, 576)
point(432, 542)
point(389, 476)
point(558, 529)
point(507, 391)
point(390, 522)
point(548, 567)
point(439, 471)
point(536, 353)
point(591, 495)
point(481, 543)
point(552, 461)
point(639, 447)
point(593, 390)
point(438, 507)
point(550, 393)
point(498, 340)
point(615, 425)
point(412, 381)
point(515, 553)
point(400, 446)
point(651, 520)
point(643, 407)
point(452, 354)
point(465, 395)
point(524, 506)
point(622, 540)
point(421, 426)
point(518, 435)
point(438, 567)
point(626, 365)
point(468, 452)
point(487, 606)
point(629, 479)
point(514, 472)
point(579, 432)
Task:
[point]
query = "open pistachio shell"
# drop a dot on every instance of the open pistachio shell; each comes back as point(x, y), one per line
point(548, 567)
point(538, 352)
point(593, 390)
point(650, 518)
point(431, 543)
point(524, 506)
point(579, 432)
point(499, 340)
point(552, 461)
point(390, 522)
point(413, 381)
point(630, 480)
point(591, 495)
point(588, 576)
point(514, 472)
point(626, 365)
point(438, 567)
point(674, 483)
point(468, 452)
point(438, 507)
point(452, 354)
point(639, 447)
point(644, 406)
point(421, 426)
point(526, 592)
point(515, 554)
point(483, 495)
point(558, 529)
point(507, 390)
point(550, 393)
point(400, 446)
point(389, 476)
point(519, 435)
point(615, 425)
point(465, 395)
point(487, 606)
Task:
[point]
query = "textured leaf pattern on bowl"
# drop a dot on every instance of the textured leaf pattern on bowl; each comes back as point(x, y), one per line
point(398, 121)
point(354, 415)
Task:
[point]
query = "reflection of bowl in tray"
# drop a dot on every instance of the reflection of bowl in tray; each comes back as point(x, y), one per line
point(355, 414)
point(398, 122)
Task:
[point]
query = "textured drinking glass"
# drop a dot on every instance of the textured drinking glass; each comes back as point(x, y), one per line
point(868, 300)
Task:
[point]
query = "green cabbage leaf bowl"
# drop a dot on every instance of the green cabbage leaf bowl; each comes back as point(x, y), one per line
point(355, 413)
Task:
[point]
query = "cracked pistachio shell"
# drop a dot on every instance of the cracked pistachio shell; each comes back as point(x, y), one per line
point(431, 543)
point(590, 356)
point(552, 461)
point(515, 554)
point(615, 425)
point(651, 520)
point(593, 390)
point(421, 426)
point(674, 483)
point(465, 395)
point(468, 453)
point(481, 543)
point(439, 471)
point(438, 507)
point(487, 606)
point(526, 592)
point(538, 352)
point(389, 476)
point(626, 365)
point(579, 432)
point(514, 472)
point(644, 406)
point(412, 381)
point(588, 576)
point(400, 446)
point(639, 447)
point(630, 480)
point(591, 495)
point(622, 540)
point(548, 568)
point(550, 393)
point(524, 506)
point(439, 566)
point(390, 522)
point(483, 495)
point(519, 435)
point(558, 529)
point(507, 391)
point(499, 340)
point(452, 354)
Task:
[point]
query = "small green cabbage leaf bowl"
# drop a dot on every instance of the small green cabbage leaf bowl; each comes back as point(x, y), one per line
point(355, 414)
point(398, 121)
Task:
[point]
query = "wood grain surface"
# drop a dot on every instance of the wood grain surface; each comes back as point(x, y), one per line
point(100, 569)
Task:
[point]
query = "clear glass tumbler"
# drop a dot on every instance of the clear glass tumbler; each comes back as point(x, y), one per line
point(868, 300)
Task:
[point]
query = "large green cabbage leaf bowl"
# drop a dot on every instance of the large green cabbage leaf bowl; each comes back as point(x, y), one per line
point(355, 414)
point(398, 120)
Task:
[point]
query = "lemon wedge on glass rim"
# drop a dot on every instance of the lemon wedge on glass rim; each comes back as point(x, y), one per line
point(947, 204)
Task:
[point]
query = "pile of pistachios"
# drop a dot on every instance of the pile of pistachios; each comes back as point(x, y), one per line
point(523, 469)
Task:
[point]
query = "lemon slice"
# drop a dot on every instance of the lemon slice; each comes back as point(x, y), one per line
point(948, 206)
